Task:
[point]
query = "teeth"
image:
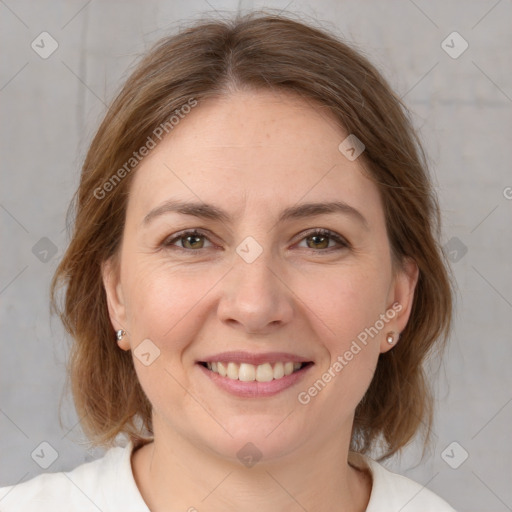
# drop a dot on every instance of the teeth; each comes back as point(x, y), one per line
point(248, 372)
point(288, 368)
point(232, 370)
point(264, 373)
point(221, 369)
point(278, 370)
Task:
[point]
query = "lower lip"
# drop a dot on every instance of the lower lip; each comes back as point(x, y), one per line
point(255, 389)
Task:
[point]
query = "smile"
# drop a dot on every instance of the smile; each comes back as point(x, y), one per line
point(246, 372)
point(246, 380)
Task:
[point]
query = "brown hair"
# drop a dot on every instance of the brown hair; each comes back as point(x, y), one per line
point(212, 58)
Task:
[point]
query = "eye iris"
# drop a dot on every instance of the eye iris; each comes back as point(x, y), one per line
point(196, 237)
point(325, 240)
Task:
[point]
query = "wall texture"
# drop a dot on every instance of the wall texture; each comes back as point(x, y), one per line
point(52, 99)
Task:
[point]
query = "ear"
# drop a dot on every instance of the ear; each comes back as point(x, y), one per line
point(115, 298)
point(400, 300)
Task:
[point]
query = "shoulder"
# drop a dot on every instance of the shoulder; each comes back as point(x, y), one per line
point(103, 484)
point(392, 492)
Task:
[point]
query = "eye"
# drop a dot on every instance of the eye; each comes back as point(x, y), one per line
point(191, 240)
point(320, 240)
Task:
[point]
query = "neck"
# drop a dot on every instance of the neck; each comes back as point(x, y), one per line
point(173, 473)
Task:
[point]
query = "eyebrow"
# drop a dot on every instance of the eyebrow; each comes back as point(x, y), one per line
point(211, 212)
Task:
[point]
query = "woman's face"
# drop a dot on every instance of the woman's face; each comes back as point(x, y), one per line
point(255, 281)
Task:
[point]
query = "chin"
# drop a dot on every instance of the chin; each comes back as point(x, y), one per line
point(255, 438)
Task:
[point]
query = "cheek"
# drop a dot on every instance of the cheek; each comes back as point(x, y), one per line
point(347, 307)
point(165, 301)
point(346, 300)
point(165, 307)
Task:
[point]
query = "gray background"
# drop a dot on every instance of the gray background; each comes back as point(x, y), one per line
point(51, 108)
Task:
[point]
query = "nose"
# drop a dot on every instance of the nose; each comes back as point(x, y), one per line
point(255, 296)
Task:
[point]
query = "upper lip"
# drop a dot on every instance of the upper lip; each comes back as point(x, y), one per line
point(255, 359)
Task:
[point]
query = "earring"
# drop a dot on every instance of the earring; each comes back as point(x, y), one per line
point(119, 334)
point(390, 338)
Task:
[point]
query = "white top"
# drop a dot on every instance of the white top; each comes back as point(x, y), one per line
point(108, 484)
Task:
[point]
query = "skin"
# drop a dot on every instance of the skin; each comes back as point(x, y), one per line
point(253, 154)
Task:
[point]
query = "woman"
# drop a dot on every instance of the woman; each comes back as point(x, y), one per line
point(253, 283)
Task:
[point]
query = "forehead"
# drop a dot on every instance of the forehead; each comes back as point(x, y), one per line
point(262, 148)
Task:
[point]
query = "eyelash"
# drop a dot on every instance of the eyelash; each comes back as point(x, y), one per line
point(343, 244)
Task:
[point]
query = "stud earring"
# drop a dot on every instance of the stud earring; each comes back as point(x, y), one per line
point(119, 334)
point(390, 338)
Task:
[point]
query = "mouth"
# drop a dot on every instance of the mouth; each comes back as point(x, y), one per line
point(245, 375)
point(247, 372)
